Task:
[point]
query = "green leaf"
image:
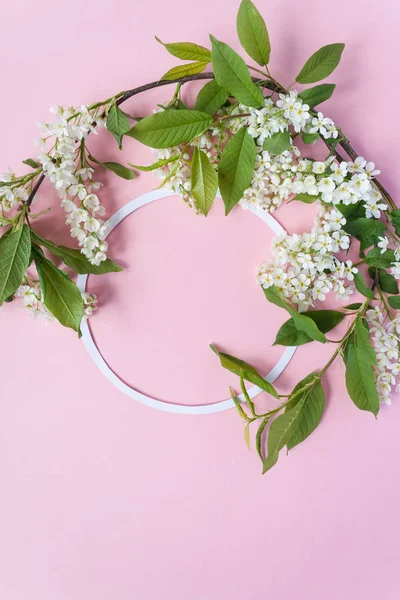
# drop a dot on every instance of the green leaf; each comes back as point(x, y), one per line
point(326, 320)
point(396, 224)
point(247, 436)
point(309, 138)
point(157, 165)
point(74, 258)
point(272, 294)
point(204, 181)
point(317, 94)
point(363, 226)
point(321, 64)
point(232, 74)
point(352, 211)
point(354, 306)
point(366, 242)
point(170, 128)
point(366, 230)
point(306, 198)
point(236, 168)
point(187, 51)
point(252, 32)
point(238, 406)
point(184, 70)
point(388, 283)
point(350, 341)
point(173, 105)
point(280, 432)
point(302, 322)
point(15, 251)
point(119, 170)
point(313, 403)
point(394, 302)
point(362, 286)
point(363, 341)
point(243, 369)
point(289, 335)
point(60, 294)
point(377, 258)
point(278, 142)
point(211, 97)
point(360, 380)
point(31, 163)
point(115, 167)
point(118, 123)
point(259, 434)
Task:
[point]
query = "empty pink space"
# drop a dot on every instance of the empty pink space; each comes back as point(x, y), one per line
point(102, 497)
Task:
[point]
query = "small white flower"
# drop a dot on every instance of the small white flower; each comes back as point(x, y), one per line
point(68, 205)
point(326, 185)
point(90, 242)
point(357, 165)
point(92, 224)
point(91, 202)
point(395, 270)
point(78, 233)
point(98, 258)
point(318, 167)
point(349, 270)
point(370, 170)
point(383, 243)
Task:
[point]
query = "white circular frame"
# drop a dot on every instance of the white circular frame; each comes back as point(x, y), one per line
point(98, 359)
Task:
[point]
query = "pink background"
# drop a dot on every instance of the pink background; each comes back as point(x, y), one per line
point(103, 498)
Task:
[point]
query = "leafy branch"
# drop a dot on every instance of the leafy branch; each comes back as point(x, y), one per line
point(304, 407)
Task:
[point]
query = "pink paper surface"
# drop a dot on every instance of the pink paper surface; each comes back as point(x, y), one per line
point(104, 498)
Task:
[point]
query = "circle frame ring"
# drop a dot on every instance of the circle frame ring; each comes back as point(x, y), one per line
point(96, 356)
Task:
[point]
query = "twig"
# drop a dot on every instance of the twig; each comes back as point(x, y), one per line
point(35, 189)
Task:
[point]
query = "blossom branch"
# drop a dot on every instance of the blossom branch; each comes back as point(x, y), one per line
point(273, 87)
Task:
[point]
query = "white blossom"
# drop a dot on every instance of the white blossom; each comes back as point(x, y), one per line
point(74, 181)
point(383, 243)
point(305, 268)
point(385, 338)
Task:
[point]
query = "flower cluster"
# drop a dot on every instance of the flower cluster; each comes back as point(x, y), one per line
point(294, 110)
point(261, 123)
point(385, 335)
point(305, 268)
point(13, 193)
point(67, 168)
point(278, 178)
point(32, 294)
point(272, 180)
point(345, 183)
point(288, 111)
point(324, 126)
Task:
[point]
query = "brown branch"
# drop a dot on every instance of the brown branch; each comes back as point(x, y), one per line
point(198, 77)
point(35, 189)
